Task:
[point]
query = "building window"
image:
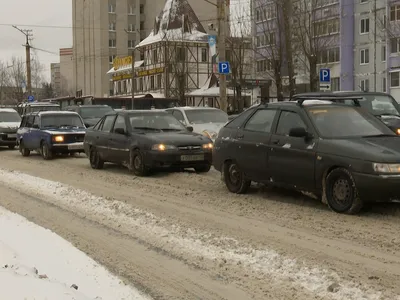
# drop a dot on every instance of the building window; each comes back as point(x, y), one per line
point(131, 44)
point(112, 43)
point(203, 55)
point(131, 27)
point(329, 56)
point(155, 56)
point(335, 83)
point(159, 81)
point(180, 54)
point(111, 58)
point(394, 45)
point(141, 8)
point(263, 65)
point(384, 85)
point(395, 13)
point(266, 39)
point(152, 82)
point(326, 27)
point(131, 10)
point(111, 8)
point(383, 54)
point(364, 56)
point(364, 26)
point(322, 3)
point(363, 1)
point(112, 26)
point(364, 84)
point(395, 79)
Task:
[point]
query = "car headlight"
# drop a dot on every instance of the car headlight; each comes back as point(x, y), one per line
point(386, 168)
point(210, 134)
point(163, 147)
point(208, 146)
point(398, 131)
point(58, 138)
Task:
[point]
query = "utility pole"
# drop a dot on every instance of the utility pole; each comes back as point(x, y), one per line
point(133, 78)
point(375, 41)
point(28, 35)
point(221, 44)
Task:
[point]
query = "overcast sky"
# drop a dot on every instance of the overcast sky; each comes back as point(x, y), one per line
point(37, 14)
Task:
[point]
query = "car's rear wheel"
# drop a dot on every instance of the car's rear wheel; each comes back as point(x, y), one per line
point(11, 147)
point(47, 154)
point(203, 168)
point(341, 192)
point(235, 179)
point(95, 160)
point(136, 163)
point(24, 151)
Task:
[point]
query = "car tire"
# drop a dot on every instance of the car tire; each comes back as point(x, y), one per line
point(95, 160)
point(24, 151)
point(235, 179)
point(47, 154)
point(11, 147)
point(341, 192)
point(203, 169)
point(136, 163)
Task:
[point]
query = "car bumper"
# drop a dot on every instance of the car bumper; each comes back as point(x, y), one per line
point(377, 188)
point(156, 159)
point(70, 147)
point(8, 139)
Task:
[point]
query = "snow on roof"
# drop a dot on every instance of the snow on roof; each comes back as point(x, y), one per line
point(155, 95)
point(11, 110)
point(210, 89)
point(63, 112)
point(138, 64)
point(177, 22)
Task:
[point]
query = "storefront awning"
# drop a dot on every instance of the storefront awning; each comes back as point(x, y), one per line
point(138, 64)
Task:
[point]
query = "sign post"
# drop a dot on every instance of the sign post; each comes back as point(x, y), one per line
point(325, 79)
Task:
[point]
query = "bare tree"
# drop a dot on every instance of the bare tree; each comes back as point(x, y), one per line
point(313, 38)
point(274, 42)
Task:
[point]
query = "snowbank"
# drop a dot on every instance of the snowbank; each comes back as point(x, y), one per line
point(35, 263)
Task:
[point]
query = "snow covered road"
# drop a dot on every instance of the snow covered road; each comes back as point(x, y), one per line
point(182, 236)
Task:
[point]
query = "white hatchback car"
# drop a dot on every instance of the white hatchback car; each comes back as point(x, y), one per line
point(9, 124)
point(204, 120)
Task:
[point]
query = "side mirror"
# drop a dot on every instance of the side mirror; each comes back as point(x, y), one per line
point(120, 131)
point(299, 132)
point(189, 128)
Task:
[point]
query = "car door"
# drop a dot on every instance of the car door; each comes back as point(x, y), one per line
point(27, 135)
point(253, 144)
point(102, 137)
point(292, 159)
point(119, 141)
point(36, 133)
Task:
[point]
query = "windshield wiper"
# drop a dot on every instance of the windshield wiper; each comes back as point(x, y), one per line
point(378, 135)
point(387, 114)
point(147, 128)
point(171, 129)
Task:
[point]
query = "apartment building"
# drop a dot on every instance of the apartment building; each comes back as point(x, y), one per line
point(103, 30)
point(66, 72)
point(55, 77)
point(360, 41)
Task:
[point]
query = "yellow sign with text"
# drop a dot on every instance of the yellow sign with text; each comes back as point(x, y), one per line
point(120, 62)
point(121, 77)
point(150, 72)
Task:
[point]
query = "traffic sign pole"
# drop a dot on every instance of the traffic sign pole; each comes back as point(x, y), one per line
point(325, 79)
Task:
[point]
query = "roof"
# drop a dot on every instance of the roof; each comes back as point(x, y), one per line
point(51, 112)
point(8, 110)
point(144, 111)
point(210, 89)
point(342, 94)
point(88, 105)
point(40, 104)
point(176, 22)
point(138, 64)
point(196, 108)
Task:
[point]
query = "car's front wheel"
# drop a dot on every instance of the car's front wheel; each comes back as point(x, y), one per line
point(47, 154)
point(235, 179)
point(341, 192)
point(24, 151)
point(203, 168)
point(95, 160)
point(136, 163)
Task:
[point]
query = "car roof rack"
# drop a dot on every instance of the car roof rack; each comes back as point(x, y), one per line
point(333, 98)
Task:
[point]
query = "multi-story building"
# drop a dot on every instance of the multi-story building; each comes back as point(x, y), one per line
point(55, 78)
point(357, 40)
point(66, 72)
point(105, 29)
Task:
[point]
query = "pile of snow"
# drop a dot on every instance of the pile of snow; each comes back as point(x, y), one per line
point(35, 263)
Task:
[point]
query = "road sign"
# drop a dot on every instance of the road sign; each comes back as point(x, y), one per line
point(325, 87)
point(325, 76)
point(224, 67)
point(31, 98)
point(212, 40)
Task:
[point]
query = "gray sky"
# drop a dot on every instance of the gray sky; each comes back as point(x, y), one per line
point(38, 14)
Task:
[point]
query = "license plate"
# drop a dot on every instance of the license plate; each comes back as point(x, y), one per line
point(12, 136)
point(75, 146)
point(192, 157)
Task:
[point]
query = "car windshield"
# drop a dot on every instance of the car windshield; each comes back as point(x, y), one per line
point(203, 116)
point(60, 120)
point(346, 122)
point(379, 105)
point(95, 112)
point(155, 121)
point(9, 117)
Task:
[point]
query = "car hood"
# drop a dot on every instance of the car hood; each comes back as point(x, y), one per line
point(178, 138)
point(9, 125)
point(64, 130)
point(377, 149)
point(210, 127)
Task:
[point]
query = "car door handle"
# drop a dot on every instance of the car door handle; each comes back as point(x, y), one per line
point(275, 142)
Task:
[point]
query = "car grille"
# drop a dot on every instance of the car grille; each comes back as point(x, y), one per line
point(74, 138)
point(190, 147)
